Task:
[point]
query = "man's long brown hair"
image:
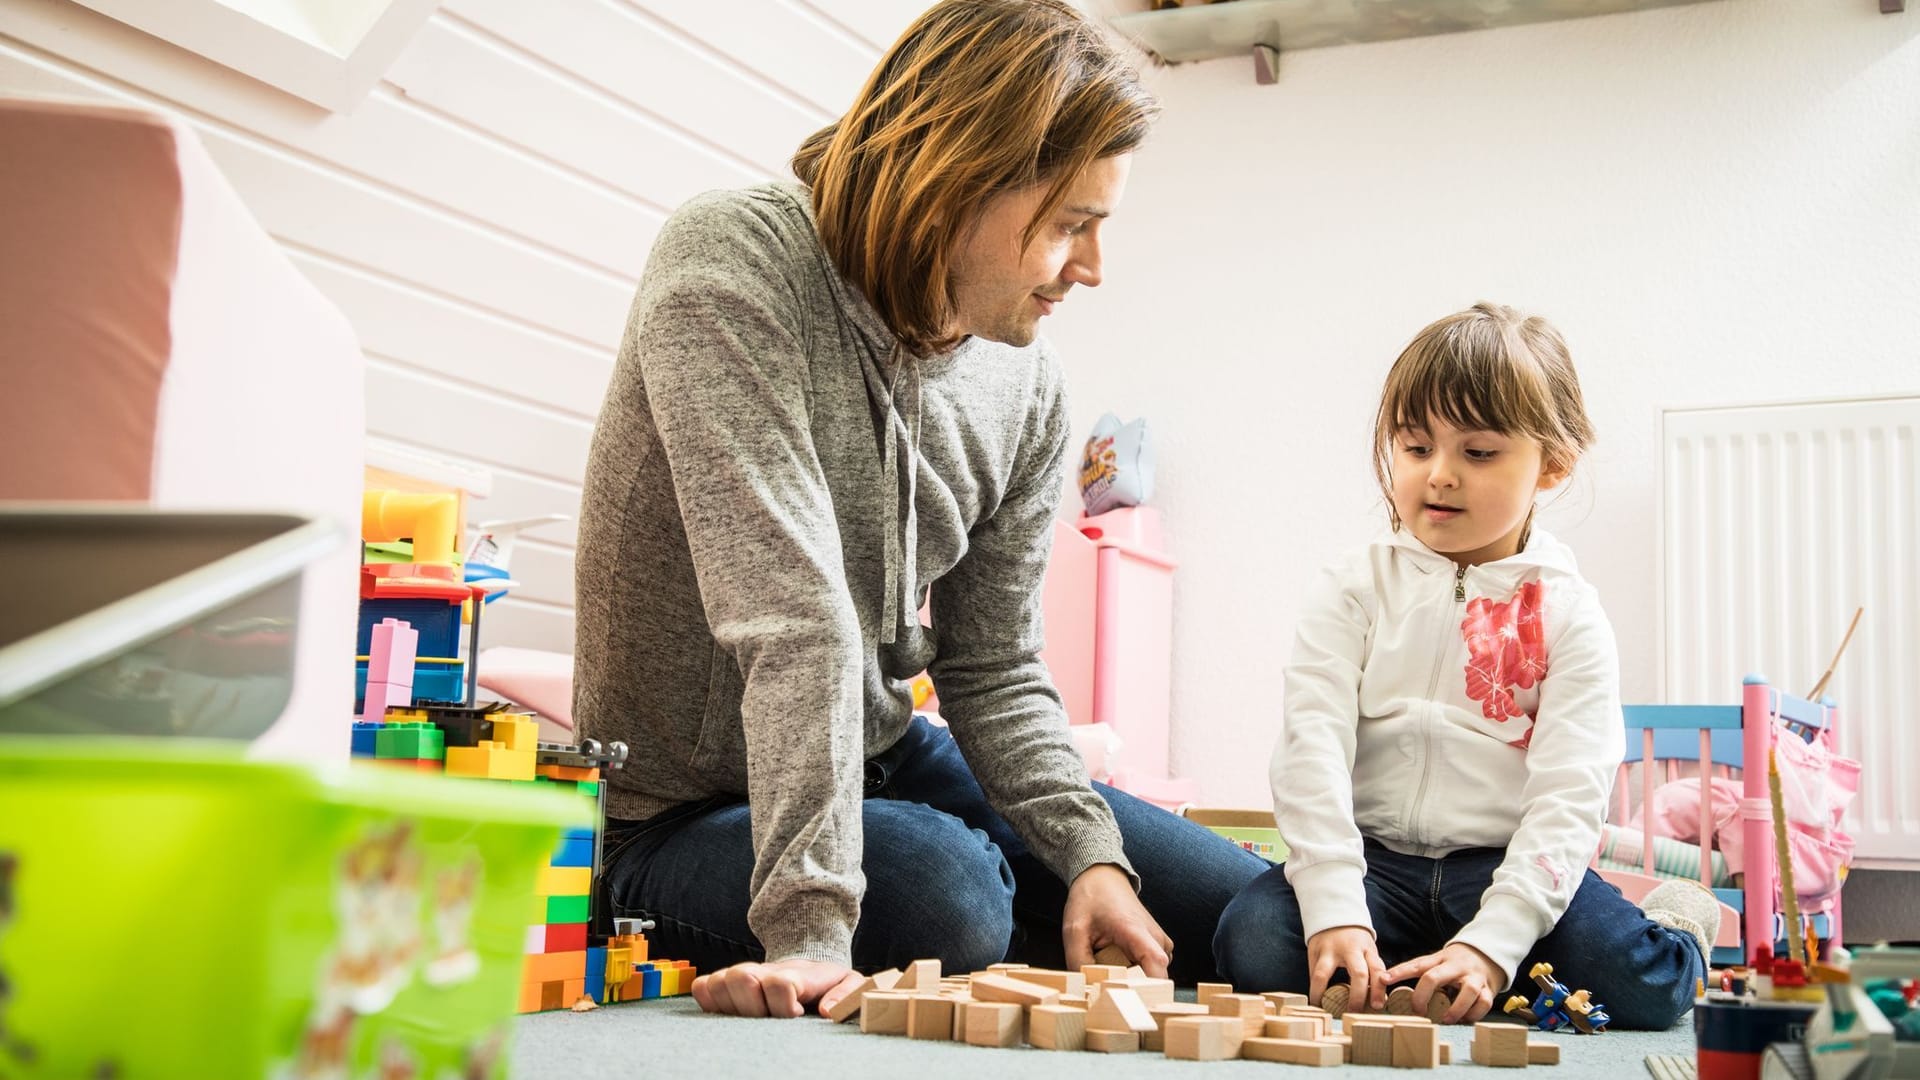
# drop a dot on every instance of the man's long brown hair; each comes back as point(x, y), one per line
point(978, 97)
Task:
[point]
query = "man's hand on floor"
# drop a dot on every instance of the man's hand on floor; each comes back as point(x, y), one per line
point(783, 989)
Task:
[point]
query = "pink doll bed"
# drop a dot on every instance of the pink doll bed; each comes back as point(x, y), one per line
point(1671, 743)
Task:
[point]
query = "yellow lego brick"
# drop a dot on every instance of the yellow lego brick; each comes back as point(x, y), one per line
point(490, 761)
point(669, 982)
point(619, 966)
point(565, 881)
point(516, 732)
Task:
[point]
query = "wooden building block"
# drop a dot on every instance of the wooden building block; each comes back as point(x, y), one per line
point(1291, 1051)
point(1438, 1004)
point(847, 1006)
point(1119, 1009)
point(1543, 1053)
point(991, 987)
point(1334, 1000)
point(1206, 992)
point(1501, 1046)
point(1072, 1001)
point(1281, 999)
point(930, 1016)
point(1167, 1011)
point(1416, 1046)
point(1095, 974)
point(1400, 1001)
point(1157, 1038)
point(1204, 1038)
point(992, 1023)
point(1067, 982)
point(1003, 968)
point(1343, 1042)
point(1322, 1023)
point(1446, 1052)
point(1151, 991)
point(1249, 1009)
point(1372, 1043)
point(884, 1012)
point(1113, 956)
point(1054, 1027)
point(920, 975)
point(1113, 1042)
point(1290, 1027)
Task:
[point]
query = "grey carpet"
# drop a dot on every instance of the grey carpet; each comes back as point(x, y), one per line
point(672, 1037)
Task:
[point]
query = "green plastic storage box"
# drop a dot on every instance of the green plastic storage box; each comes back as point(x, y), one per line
point(170, 910)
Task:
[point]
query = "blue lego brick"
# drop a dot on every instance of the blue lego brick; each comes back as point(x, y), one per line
point(437, 621)
point(365, 738)
point(597, 974)
point(573, 851)
point(578, 834)
point(650, 986)
point(439, 682)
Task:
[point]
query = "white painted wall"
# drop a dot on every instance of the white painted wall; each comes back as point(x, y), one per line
point(483, 215)
point(1716, 203)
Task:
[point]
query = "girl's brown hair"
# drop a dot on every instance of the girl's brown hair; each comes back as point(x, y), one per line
point(978, 97)
point(1488, 368)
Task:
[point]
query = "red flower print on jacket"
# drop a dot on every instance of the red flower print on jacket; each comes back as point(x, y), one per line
point(1506, 650)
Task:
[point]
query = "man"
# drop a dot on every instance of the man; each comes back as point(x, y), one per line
point(830, 408)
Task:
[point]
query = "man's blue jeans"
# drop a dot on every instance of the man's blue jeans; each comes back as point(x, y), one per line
point(947, 877)
point(1643, 972)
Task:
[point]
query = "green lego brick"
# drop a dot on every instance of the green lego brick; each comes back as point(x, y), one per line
point(411, 741)
point(566, 909)
point(590, 788)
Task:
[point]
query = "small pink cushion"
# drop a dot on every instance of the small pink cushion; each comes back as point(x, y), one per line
point(533, 678)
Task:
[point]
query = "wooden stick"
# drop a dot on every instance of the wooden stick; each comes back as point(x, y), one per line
point(1789, 903)
point(1814, 696)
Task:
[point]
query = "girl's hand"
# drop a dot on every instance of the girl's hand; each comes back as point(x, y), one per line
point(1102, 910)
point(1465, 970)
point(783, 989)
point(1348, 948)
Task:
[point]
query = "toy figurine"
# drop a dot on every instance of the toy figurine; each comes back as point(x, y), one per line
point(1557, 1007)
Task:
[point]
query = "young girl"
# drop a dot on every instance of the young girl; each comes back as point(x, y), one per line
point(1453, 722)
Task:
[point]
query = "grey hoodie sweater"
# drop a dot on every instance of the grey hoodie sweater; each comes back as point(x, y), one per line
point(773, 490)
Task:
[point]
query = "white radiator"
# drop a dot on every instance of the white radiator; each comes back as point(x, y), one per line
point(1776, 522)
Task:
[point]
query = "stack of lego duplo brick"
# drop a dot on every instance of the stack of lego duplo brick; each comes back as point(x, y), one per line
point(567, 965)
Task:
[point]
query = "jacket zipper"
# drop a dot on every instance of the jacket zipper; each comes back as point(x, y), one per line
point(1433, 685)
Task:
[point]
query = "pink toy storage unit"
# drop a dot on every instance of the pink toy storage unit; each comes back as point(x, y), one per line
point(1109, 617)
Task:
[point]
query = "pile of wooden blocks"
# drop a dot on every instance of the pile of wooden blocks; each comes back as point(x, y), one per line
point(1110, 1009)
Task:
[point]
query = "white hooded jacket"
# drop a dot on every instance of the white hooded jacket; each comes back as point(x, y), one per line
point(1434, 708)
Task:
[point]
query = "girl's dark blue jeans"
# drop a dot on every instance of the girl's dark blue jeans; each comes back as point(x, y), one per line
point(1643, 972)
